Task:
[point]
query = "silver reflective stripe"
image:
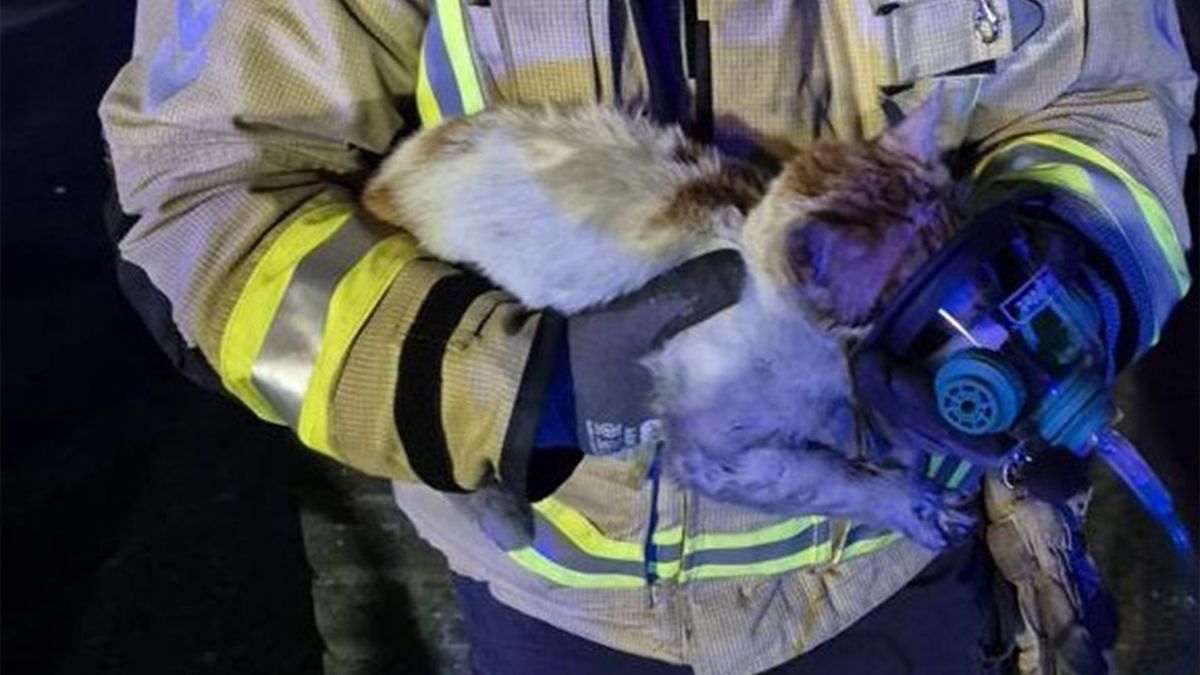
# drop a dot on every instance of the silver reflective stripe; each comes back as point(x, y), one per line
point(552, 544)
point(862, 532)
point(669, 553)
point(814, 535)
point(439, 69)
point(284, 365)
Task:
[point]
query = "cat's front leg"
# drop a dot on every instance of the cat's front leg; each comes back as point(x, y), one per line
point(923, 511)
point(808, 479)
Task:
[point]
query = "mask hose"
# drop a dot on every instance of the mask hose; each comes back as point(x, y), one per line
point(1125, 461)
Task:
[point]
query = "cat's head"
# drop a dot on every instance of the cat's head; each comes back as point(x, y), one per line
point(845, 224)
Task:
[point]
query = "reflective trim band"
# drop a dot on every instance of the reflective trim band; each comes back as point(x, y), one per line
point(427, 106)
point(669, 537)
point(553, 545)
point(353, 302)
point(548, 569)
point(300, 310)
point(435, 78)
point(792, 544)
point(811, 536)
point(1156, 293)
point(862, 539)
point(1151, 209)
point(667, 569)
point(863, 532)
point(284, 366)
point(816, 554)
point(786, 530)
point(447, 83)
point(1122, 207)
point(584, 535)
point(251, 318)
point(1141, 231)
point(569, 550)
point(454, 30)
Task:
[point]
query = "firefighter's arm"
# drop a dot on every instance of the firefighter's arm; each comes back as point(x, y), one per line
point(1108, 157)
point(240, 131)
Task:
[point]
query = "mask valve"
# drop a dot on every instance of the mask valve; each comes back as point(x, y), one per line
point(978, 393)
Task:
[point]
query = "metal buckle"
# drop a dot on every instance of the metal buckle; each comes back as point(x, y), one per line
point(1010, 475)
point(987, 22)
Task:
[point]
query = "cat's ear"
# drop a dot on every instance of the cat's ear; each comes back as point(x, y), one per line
point(917, 134)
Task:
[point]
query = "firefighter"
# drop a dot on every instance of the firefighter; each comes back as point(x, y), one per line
point(241, 130)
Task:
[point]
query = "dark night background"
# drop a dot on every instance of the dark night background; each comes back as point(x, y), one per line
point(150, 527)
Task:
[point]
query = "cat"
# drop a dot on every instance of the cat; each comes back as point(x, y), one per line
point(571, 207)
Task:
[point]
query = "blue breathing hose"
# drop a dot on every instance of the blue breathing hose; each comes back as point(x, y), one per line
point(1125, 461)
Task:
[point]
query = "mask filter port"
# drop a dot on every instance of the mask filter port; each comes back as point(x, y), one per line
point(978, 393)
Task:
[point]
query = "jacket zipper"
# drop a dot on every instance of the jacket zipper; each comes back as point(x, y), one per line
point(668, 89)
point(650, 550)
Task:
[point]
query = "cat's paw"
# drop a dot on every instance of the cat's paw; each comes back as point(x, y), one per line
point(939, 518)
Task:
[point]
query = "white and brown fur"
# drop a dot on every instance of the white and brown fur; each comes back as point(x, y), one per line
point(569, 208)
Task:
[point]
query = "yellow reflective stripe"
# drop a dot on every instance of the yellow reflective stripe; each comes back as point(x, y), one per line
point(1152, 209)
point(1075, 179)
point(255, 308)
point(548, 569)
point(534, 562)
point(590, 540)
point(766, 535)
point(812, 555)
point(584, 535)
point(865, 546)
point(454, 34)
point(427, 105)
point(581, 531)
point(352, 303)
point(668, 537)
point(667, 569)
point(1065, 176)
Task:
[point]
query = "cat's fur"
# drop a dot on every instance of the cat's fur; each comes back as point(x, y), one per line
point(569, 208)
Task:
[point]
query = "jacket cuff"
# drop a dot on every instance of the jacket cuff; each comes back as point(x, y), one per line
point(540, 407)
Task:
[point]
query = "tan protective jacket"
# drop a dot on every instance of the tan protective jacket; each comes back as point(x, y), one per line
point(240, 130)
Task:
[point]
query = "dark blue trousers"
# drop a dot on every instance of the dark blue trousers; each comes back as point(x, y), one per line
point(950, 620)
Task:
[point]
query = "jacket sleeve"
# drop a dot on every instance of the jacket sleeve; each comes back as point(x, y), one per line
point(240, 132)
point(1108, 157)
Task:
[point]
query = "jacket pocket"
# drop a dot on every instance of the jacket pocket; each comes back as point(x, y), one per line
point(535, 51)
point(936, 37)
